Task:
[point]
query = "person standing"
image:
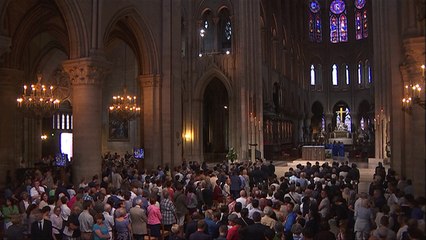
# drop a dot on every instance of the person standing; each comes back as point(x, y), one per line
point(154, 217)
point(42, 228)
point(139, 220)
point(180, 204)
point(86, 221)
point(200, 234)
point(168, 211)
point(100, 230)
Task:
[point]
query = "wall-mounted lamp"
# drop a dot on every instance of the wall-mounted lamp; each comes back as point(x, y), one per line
point(188, 136)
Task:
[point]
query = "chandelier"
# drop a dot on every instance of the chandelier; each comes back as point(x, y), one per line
point(124, 106)
point(413, 93)
point(39, 100)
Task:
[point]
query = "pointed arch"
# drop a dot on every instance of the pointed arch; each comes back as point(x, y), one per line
point(213, 72)
point(33, 24)
point(130, 26)
point(76, 28)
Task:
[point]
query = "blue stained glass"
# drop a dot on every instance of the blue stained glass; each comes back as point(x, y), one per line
point(337, 6)
point(343, 29)
point(333, 29)
point(358, 25)
point(314, 6)
point(359, 4)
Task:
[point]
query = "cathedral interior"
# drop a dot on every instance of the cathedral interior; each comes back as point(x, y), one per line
point(257, 76)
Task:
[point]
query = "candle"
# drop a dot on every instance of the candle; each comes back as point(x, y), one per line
point(25, 89)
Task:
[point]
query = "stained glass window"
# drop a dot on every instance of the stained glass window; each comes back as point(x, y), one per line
point(334, 75)
point(318, 34)
point(207, 33)
point(361, 19)
point(348, 120)
point(338, 22)
point(334, 29)
point(314, 21)
point(343, 28)
point(359, 73)
point(347, 74)
point(312, 75)
point(228, 30)
point(224, 31)
point(360, 3)
point(368, 71)
point(362, 123)
point(337, 7)
point(358, 25)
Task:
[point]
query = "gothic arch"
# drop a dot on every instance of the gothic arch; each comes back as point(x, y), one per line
point(27, 29)
point(210, 74)
point(206, 5)
point(130, 26)
point(76, 27)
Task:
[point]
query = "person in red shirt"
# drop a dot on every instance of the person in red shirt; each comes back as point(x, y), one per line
point(233, 227)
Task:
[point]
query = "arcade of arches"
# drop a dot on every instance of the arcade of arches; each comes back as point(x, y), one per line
point(211, 75)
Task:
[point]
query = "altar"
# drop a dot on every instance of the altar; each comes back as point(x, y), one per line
point(316, 153)
point(342, 133)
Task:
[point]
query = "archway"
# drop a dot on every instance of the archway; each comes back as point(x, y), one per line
point(215, 121)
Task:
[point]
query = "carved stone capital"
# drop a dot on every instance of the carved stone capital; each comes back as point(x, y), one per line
point(86, 70)
point(149, 80)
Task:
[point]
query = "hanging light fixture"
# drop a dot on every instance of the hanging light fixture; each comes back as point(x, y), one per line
point(124, 106)
point(413, 93)
point(38, 99)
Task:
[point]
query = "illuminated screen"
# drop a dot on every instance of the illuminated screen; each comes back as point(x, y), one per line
point(66, 144)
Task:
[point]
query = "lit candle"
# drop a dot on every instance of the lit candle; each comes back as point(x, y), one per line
point(25, 89)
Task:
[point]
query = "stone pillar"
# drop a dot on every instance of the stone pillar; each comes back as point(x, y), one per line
point(5, 43)
point(86, 75)
point(9, 79)
point(150, 85)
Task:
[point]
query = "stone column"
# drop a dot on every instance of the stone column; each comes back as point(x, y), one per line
point(150, 85)
point(5, 43)
point(9, 79)
point(86, 75)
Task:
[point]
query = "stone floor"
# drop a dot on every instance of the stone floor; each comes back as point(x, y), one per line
point(366, 169)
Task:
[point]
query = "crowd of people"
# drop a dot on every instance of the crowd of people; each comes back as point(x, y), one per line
point(195, 201)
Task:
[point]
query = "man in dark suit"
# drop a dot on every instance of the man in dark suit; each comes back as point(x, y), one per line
point(42, 228)
point(200, 234)
point(256, 230)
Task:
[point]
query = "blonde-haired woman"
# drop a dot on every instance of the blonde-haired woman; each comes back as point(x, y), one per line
point(363, 220)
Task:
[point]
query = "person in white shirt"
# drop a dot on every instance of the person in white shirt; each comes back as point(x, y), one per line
point(243, 198)
point(57, 222)
point(109, 219)
point(65, 210)
point(36, 191)
point(255, 208)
